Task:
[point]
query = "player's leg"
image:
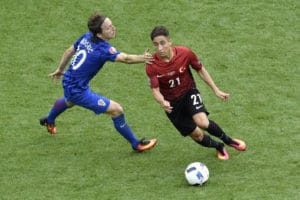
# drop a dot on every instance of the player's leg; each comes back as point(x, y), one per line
point(210, 126)
point(214, 129)
point(58, 107)
point(198, 136)
point(100, 104)
point(116, 112)
point(196, 108)
point(184, 123)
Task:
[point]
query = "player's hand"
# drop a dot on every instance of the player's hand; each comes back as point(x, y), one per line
point(148, 56)
point(222, 95)
point(56, 75)
point(167, 106)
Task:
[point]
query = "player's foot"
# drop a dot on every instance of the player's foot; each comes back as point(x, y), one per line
point(50, 127)
point(145, 145)
point(222, 153)
point(238, 145)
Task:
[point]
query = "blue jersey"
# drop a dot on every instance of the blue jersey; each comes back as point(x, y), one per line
point(86, 63)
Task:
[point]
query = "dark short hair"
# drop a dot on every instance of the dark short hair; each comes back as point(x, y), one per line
point(94, 24)
point(159, 31)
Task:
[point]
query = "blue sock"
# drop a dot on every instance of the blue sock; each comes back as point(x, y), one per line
point(59, 106)
point(123, 128)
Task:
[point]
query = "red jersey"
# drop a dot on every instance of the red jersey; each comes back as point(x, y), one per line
point(173, 78)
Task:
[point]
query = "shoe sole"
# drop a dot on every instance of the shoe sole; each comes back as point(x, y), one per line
point(241, 147)
point(150, 146)
point(44, 123)
point(221, 156)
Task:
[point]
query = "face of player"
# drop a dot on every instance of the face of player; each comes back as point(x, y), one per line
point(162, 46)
point(108, 30)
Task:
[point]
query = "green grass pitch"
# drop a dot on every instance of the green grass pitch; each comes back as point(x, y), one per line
point(251, 49)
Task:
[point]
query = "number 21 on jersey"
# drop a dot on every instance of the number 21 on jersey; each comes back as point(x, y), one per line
point(174, 82)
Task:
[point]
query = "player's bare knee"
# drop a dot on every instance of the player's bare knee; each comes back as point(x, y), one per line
point(202, 123)
point(115, 109)
point(197, 135)
point(119, 110)
point(201, 120)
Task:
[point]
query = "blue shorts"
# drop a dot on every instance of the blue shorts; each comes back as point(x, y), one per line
point(88, 99)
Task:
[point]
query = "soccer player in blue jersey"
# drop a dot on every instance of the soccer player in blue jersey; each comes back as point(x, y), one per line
point(89, 54)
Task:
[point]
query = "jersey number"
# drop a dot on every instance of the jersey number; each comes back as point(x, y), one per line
point(174, 82)
point(77, 63)
point(196, 99)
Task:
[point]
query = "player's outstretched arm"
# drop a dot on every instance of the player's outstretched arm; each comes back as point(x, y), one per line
point(133, 59)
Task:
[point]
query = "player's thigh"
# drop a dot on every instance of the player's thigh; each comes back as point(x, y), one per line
point(201, 120)
point(183, 123)
point(92, 101)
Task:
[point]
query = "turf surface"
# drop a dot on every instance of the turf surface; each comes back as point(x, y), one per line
point(251, 49)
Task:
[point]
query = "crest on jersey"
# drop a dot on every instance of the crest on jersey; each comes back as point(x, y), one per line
point(182, 69)
point(101, 102)
point(112, 50)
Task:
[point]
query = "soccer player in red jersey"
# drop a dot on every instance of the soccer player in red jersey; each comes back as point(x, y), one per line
point(174, 88)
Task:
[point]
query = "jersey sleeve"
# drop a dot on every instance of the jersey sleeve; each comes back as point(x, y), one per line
point(111, 53)
point(194, 61)
point(153, 80)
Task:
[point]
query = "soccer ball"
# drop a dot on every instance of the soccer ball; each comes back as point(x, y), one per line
point(196, 173)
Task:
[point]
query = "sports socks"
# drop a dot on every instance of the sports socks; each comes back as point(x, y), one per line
point(59, 106)
point(123, 128)
point(215, 130)
point(208, 142)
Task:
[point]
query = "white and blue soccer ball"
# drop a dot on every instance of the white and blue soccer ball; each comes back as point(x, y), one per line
point(196, 173)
